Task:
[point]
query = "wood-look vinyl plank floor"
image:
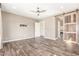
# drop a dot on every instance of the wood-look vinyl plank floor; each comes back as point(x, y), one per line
point(39, 47)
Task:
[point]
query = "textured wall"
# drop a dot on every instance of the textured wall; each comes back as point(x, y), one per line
point(12, 30)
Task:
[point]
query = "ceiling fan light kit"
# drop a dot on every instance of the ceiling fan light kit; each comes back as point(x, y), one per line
point(38, 11)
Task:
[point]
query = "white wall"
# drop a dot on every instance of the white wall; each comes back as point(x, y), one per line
point(0, 29)
point(48, 30)
point(12, 29)
point(37, 29)
point(42, 28)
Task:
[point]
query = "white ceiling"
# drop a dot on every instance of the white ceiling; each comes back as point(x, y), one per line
point(24, 9)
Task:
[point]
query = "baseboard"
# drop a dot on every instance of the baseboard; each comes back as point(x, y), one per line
point(50, 38)
point(17, 40)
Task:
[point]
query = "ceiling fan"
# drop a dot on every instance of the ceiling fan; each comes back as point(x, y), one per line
point(38, 11)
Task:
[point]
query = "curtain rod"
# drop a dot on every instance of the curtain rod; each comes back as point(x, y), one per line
point(68, 12)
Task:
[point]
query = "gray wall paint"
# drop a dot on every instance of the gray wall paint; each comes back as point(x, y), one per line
point(12, 30)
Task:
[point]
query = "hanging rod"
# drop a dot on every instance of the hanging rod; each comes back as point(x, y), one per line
point(67, 12)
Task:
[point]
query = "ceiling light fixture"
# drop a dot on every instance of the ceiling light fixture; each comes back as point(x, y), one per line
point(38, 11)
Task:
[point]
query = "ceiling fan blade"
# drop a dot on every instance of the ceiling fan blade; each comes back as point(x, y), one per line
point(34, 11)
point(42, 11)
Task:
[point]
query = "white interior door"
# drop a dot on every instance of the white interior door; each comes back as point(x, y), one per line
point(37, 29)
